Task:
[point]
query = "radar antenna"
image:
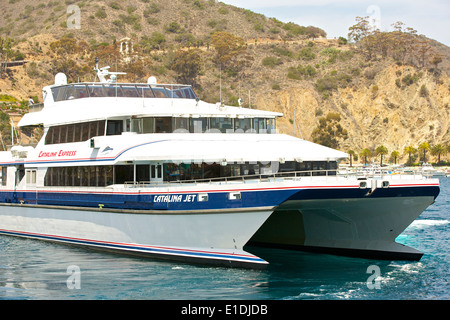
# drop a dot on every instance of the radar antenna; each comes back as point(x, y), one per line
point(102, 73)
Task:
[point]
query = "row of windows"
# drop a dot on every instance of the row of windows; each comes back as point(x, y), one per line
point(200, 125)
point(78, 131)
point(78, 91)
point(100, 176)
point(84, 131)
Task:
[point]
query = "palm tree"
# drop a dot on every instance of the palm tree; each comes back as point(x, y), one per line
point(424, 147)
point(395, 154)
point(352, 155)
point(438, 150)
point(364, 154)
point(381, 150)
point(410, 150)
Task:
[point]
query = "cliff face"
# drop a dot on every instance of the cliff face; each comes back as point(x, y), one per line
point(383, 113)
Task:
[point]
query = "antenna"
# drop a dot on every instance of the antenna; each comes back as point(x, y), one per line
point(220, 84)
point(103, 72)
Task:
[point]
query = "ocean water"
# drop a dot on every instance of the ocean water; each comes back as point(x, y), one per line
point(36, 270)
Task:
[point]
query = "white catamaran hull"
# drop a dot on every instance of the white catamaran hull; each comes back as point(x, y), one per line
point(205, 237)
point(364, 227)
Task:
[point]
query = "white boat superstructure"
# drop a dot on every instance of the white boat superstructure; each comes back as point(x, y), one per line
point(429, 171)
point(150, 169)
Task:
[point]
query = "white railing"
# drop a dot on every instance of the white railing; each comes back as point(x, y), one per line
point(334, 174)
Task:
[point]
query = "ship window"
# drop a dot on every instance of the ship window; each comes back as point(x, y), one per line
point(124, 173)
point(222, 124)
point(101, 128)
point(129, 91)
point(159, 92)
point(242, 125)
point(81, 91)
point(85, 131)
point(198, 125)
point(136, 125)
point(110, 91)
point(77, 133)
point(56, 134)
point(49, 136)
point(271, 126)
point(56, 93)
point(69, 93)
point(96, 91)
point(69, 176)
point(188, 93)
point(260, 125)
point(180, 124)
point(148, 125)
point(114, 127)
point(4, 175)
point(143, 172)
point(63, 134)
point(163, 125)
point(211, 171)
point(144, 91)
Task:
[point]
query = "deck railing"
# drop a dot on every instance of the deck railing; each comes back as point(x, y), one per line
point(334, 174)
point(36, 107)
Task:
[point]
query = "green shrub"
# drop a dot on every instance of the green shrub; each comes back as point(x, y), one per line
point(114, 5)
point(276, 86)
point(423, 91)
point(101, 13)
point(307, 54)
point(327, 83)
point(294, 74)
point(271, 62)
point(410, 79)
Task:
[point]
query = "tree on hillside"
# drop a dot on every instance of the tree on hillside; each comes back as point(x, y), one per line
point(187, 64)
point(381, 150)
point(403, 44)
point(227, 46)
point(329, 131)
point(68, 45)
point(5, 130)
point(410, 150)
point(155, 41)
point(360, 30)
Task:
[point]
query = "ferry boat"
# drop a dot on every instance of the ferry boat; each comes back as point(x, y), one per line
point(429, 171)
point(150, 169)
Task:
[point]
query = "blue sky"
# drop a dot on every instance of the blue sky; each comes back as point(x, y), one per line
point(431, 17)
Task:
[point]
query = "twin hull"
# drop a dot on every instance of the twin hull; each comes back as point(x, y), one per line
point(179, 223)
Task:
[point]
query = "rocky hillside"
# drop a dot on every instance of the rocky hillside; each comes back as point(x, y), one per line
point(388, 89)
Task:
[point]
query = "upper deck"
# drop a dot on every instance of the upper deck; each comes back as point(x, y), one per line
point(76, 103)
point(122, 90)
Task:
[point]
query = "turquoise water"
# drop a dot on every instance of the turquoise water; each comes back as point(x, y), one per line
point(31, 269)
